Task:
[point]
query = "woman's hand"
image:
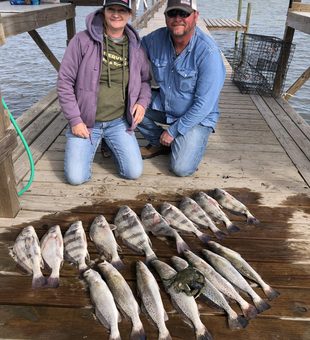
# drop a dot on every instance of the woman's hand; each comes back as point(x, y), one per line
point(80, 130)
point(138, 113)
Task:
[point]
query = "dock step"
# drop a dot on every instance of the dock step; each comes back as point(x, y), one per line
point(224, 25)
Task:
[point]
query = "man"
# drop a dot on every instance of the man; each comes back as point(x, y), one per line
point(188, 68)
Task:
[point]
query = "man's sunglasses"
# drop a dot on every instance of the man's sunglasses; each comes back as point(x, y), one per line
point(174, 12)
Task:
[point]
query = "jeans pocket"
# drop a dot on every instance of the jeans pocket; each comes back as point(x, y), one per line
point(187, 80)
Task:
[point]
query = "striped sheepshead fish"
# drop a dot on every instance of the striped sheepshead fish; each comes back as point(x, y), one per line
point(76, 247)
point(132, 233)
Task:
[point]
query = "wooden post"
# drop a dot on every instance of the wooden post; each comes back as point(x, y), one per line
point(134, 10)
point(248, 15)
point(154, 10)
point(9, 203)
point(2, 36)
point(297, 85)
point(71, 29)
point(144, 10)
point(238, 19)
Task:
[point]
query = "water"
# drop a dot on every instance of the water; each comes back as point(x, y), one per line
point(26, 75)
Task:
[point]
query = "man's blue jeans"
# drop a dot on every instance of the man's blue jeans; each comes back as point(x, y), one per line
point(186, 150)
point(123, 148)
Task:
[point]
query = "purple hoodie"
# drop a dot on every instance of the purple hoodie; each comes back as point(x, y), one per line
point(80, 70)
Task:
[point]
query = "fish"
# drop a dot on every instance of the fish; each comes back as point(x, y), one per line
point(151, 302)
point(243, 268)
point(124, 298)
point(184, 304)
point(214, 298)
point(226, 269)
point(76, 247)
point(219, 282)
point(27, 253)
point(234, 206)
point(52, 250)
point(212, 208)
point(180, 222)
point(132, 233)
point(101, 234)
point(102, 298)
point(156, 224)
point(195, 213)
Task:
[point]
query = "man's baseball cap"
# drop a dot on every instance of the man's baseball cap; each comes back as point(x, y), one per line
point(188, 6)
point(125, 3)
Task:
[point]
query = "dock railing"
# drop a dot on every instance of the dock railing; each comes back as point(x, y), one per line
point(9, 202)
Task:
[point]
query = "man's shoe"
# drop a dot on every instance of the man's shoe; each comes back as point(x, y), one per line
point(151, 151)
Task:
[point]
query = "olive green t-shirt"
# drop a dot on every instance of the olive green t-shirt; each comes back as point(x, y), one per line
point(112, 95)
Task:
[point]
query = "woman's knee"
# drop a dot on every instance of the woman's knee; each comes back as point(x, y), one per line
point(75, 178)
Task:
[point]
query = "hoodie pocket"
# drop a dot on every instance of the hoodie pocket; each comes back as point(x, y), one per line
point(159, 69)
point(187, 80)
point(87, 103)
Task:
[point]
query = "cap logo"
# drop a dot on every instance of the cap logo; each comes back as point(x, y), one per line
point(186, 2)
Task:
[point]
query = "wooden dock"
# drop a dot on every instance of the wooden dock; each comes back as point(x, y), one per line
point(259, 153)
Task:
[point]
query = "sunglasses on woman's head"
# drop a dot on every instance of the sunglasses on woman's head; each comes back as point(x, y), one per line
point(174, 12)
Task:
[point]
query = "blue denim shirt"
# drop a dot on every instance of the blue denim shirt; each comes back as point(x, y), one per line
point(190, 83)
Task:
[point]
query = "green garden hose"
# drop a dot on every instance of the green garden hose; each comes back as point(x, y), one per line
point(26, 147)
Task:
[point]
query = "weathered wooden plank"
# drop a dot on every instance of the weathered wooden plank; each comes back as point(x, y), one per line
point(25, 21)
point(298, 158)
point(8, 142)
point(33, 131)
point(2, 36)
point(38, 147)
point(62, 324)
point(299, 21)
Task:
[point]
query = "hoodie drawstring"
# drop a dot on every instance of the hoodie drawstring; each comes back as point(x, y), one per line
point(108, 59)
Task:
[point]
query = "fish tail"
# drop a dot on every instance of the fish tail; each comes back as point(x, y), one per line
point(249, 311)
point(181, 246)
point(270, 292)
point(236, 322)
point(138, 333)
point(260, 304)
point(164, 335)
point(219, 234)
point(252, 220)
point(118, 264)
point(231, 228)
point(203, 334)
point(149, 259)
point(53, 282)
point(205, 238)
point(38, 282)
point(82, 271)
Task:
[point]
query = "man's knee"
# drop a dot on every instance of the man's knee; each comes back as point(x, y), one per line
point(75, 179)
point(182, 171)
point(132, 172)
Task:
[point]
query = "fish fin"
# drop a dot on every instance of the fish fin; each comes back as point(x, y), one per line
point(24, 268)
point(69, 258)
point(249, 311)
point(118, 264)
point(219, 234)
point(101, 318)
point(119, 249)
point(149, 259)
point(205, 238)
point(181, 246)
point(138, 333)
point(81, 272)
point(209, 302)
point(38, 282)
point(166, 318)
point(116, 233)
point(132, 247)
point(231, 228)
point(46, 266)
point(237, 322)
point(203, 334)
point(271, 293)
point(112, 226)
point(260, 304)
point(52, 282)
point(252, 220)
point(87, 256)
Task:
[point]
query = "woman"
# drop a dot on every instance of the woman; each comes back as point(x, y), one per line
point(104, 88)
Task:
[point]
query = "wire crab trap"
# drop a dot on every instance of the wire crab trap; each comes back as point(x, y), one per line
point(260, 61)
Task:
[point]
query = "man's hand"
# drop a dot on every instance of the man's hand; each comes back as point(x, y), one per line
point(80, 130)
point(166, 139)
point(138, 113)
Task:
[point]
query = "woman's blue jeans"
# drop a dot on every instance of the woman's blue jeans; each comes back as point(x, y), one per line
point(123, 148)
point(186, 150)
